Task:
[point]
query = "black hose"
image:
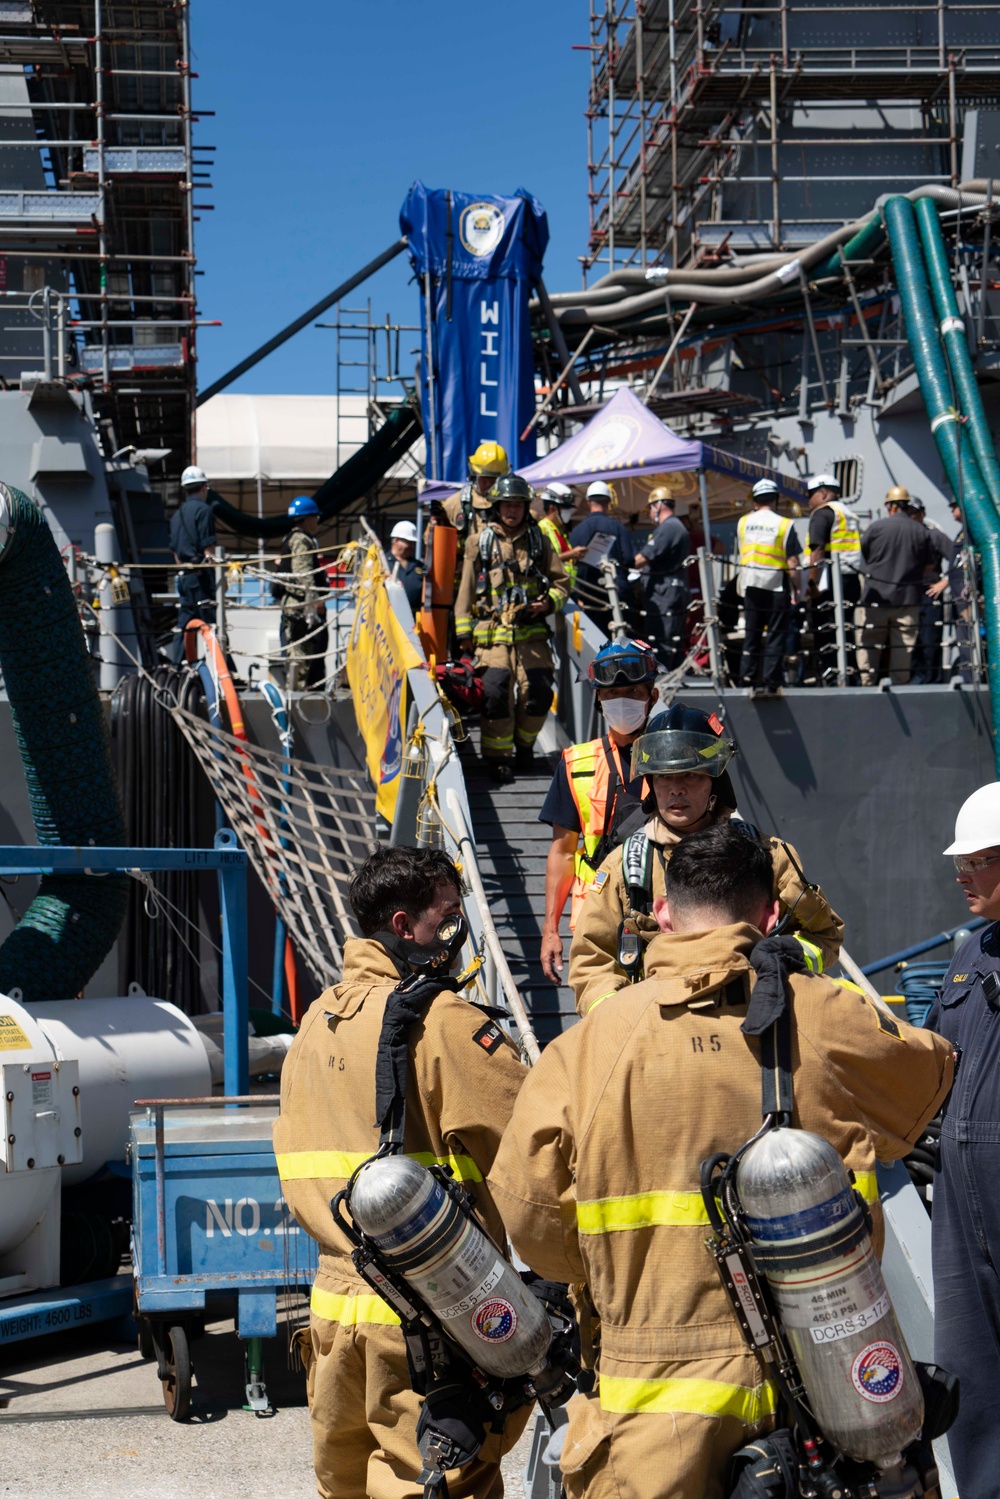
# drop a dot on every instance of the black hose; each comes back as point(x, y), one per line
point(71, 925)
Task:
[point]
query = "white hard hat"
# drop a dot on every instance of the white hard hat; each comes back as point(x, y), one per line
point(764, 487)
point(403, 530)
point(598, 491)
point(193, 477)
point(559, 492)
point(822, 481)
point(978, 822)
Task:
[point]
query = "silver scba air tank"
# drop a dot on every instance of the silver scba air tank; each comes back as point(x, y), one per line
point(450, 1263)
point(811, 1241)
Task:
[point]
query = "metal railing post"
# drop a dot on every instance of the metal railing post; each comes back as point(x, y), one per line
point(608, 572)
point(220, 598)
point(233, 899)
point(711, 622)
point(837, 580)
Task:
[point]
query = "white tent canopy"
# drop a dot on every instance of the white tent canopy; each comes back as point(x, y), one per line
point(284, 439)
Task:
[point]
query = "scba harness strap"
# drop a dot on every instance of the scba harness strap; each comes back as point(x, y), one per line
point(403, 1008)
point(491, 556)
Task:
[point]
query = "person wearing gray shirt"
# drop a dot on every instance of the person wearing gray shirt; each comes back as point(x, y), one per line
point(897, 552)
point(662, 562)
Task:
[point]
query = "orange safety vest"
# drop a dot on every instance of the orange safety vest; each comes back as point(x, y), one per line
point(589, 775)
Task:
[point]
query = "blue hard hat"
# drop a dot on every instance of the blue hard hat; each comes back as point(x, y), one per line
point(303, 504)
point(623, 663)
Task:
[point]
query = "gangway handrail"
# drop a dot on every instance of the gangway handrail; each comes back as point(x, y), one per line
point(446, 777)
point(470, 866)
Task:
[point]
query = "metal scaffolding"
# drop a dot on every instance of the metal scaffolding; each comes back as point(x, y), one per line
point(98, 178)
point(716, 125)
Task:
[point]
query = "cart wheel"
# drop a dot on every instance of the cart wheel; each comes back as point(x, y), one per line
point(177, 1384)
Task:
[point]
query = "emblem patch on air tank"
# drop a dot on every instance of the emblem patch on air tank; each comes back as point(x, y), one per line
point(494, 1321)
point(877, 1372)
point(481, 227)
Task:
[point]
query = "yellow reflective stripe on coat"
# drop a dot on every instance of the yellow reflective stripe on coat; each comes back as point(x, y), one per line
point(315, 1165)
point(609, 1215)
point(612, 1215)
point(690, 1397)
point(811, 953)
point(867, 1184)
point(354, 1310)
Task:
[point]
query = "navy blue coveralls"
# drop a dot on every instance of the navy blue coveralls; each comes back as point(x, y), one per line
point(192, 532)
point(966, 1220)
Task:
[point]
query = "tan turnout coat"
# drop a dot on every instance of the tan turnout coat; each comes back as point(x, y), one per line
point(463, 1079)
point(597, 1179)
point(594, 972)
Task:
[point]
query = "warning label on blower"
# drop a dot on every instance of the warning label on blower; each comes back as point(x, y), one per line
point(12, 1037)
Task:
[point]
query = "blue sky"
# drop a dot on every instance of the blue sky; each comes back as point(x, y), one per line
point(326, 112)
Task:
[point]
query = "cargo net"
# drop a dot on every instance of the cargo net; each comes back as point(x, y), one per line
point(305, 828)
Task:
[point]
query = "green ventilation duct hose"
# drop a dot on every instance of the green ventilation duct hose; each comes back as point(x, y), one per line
point(952, 441)
point(71, 925)
point(953, 336)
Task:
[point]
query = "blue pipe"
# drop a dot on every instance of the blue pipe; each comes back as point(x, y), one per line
point(73, 921)
point(953, 442)
point(928, 946)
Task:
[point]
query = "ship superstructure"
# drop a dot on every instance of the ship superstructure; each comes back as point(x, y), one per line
point(726, 140)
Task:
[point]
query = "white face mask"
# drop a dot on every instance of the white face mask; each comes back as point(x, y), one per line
point(625, 714)
point(566, 514)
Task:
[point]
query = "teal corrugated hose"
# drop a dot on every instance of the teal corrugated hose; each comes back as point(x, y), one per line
point(953, 336)
point(70, 926)
point(952, 440)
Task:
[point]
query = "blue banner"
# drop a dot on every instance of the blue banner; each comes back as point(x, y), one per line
point(480, 256)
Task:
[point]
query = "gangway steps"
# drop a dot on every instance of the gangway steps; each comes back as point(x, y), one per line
point(512, 847)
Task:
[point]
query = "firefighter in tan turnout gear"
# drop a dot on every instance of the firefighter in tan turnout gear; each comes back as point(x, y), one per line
point(597, 1177)
point(511, 580)
point(683, 754)
point(464, 1076)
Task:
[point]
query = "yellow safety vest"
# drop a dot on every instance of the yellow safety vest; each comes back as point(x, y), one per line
point(845, 538)
point(560, 543)
point(763, 558)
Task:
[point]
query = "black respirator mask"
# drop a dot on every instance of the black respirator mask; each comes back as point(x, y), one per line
point(435, 957)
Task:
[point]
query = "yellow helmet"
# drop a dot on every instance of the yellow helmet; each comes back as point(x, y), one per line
point(898, 495)
point(489, 458)
point(661, 492)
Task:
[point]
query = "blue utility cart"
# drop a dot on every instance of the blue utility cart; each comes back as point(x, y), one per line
point(208, 1216)
point(208, 1213)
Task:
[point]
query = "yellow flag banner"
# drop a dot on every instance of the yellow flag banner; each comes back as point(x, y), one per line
point(379, 655)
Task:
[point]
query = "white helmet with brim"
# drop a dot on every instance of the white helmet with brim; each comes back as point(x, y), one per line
point(977, 825)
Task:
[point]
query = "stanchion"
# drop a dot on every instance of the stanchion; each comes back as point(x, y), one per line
point(837, 580)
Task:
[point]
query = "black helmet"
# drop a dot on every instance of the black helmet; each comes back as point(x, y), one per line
point(512, 487)
point(680, 741)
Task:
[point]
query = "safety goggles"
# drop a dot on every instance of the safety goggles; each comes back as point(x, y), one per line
point(972, 863)
point(621, 671)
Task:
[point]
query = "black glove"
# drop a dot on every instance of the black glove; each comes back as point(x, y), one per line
point(451, 1427)
point(767, 1469)
point(558, 1382)
point(553, 1295)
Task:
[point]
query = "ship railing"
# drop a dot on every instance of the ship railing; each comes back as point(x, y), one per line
point(824, 633)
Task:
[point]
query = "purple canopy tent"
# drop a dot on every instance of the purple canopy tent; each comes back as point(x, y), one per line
point(626, 445)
